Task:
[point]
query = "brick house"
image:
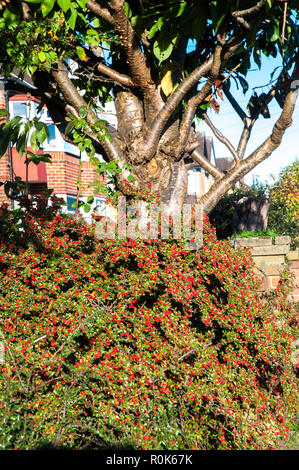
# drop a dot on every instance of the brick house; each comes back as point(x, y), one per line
point(68, 165)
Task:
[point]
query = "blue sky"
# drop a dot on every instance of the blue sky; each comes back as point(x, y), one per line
point(228, 122)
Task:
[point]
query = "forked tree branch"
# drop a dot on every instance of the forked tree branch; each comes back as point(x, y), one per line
point(220, 187)
point(160, 121)
point(239, 15)
point(151, 143)
point(250, 121)
point(196, 100)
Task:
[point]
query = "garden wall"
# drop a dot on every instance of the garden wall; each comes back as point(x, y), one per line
point(271, 257)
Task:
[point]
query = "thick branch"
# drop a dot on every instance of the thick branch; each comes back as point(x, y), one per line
point(206, 165)
point(244, 139)
point(151, 143)
point(117, 76)
point(236, 105)
point(251, 10)
point(249, 122)
point(141, 73)
point(196, 100)
point(170, 106)
point(72, 97)
point(58, 109)
point(99, 11)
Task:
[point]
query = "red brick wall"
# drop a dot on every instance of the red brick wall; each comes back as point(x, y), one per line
point(88, 175)
point(36, 173)
point(4, 160)
point(63, 174)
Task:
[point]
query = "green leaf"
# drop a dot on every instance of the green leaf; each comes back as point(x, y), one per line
point(87, 208)
point(82, 3)
point(45, 157)
point(21, 144)
point(33, 142)
point(71, 17)
point(83, 111)
point(156, 26)
point(81, 53)
point(11, 15)
point(4, 141)
point(47, 6)
point(128, 10)
point(96, 23)
point(275, 36)
point(90, 151)
point(99, 125)
point(42, 56)
point(64, 4)
point(219, 22)
point(69, 127)
point(90, 199)
point(177, 10)
point(162, 48)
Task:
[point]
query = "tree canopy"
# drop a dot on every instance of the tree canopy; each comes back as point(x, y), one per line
point(165, 64)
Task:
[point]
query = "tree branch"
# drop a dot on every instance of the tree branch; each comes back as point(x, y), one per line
point(99, 11)
point(249, 11)
point(72, 97)
point(196, 100)
point(151, 143)
point(244, 139)
point(249, 122)
point(206, 165)
point(170, 106)
point(120, 78)
point(243, 116)
point(222, 138)
point(221, 186)
point(141, 73)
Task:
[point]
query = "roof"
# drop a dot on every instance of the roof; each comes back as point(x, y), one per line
point(224, 163)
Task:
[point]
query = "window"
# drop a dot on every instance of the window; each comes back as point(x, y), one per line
point(45, 115)
point(20, 108)
point(52, 136)
point(70, 203)
point(70, 148)
point(100, 206)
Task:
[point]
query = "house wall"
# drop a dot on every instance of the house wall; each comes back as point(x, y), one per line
point(4, 160)
point(63, 173)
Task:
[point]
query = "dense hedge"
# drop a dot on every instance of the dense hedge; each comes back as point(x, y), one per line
point(139, 344)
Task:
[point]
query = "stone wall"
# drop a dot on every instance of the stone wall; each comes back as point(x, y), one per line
point(271, 258)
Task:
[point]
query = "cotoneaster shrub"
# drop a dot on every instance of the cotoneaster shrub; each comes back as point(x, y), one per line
point(139, 344)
